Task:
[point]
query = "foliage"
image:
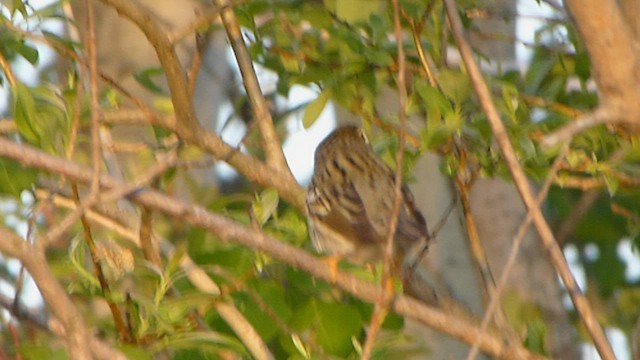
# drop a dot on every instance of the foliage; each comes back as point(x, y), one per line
point(344, 51)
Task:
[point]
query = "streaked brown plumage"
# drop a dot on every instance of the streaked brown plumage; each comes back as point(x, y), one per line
point(350, 201)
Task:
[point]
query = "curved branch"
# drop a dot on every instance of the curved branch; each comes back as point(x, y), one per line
point(227, 230)
point(607, 36)
point(524, 188)
point(600, 115)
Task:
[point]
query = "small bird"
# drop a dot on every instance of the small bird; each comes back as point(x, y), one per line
point(350, 202)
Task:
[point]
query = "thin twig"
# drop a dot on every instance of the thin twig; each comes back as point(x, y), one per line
point(99, 273)
point(196, 63)
point(462, 181)
point(90, 44)
point(546, 235)
point(7, 71)
point(515, 248)
point(422, 55)
point(57, 301)
point(147, 244)
point(582, 206)
point(381, 306)
point(551, 105)
point(600, 115)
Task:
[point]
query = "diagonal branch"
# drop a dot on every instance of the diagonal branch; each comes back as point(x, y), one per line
point(270, 142)
point(515, 248)
point(80, 343)
point(227, 230)
point(382, 304)
point(546, 235)
point(37, 317)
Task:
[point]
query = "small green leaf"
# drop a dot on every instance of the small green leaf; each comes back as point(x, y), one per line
point(536, 331)
point(334, 324)
point(34, 350)
point(41, 116)
point(145, 78)
point(354, 11)
point(21, 7)
point(265, 205)
point(14, 178)
point(583, 66)
point(77, 258)
point(24, 112)
point(455, 85)
point(314, 109)
point(28, 53)
point(300, 346)
point(434, 99)
point(65, 42)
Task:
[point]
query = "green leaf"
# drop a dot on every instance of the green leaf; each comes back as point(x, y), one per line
point(41, 116)
point(583, 66)
point(77, 258)
point(455, 85)
point(314, 109)
point(65, 42)
point(272, 295)
point(536, 332)
point(136, 352)
point(31, 350)
point(28, 53)
point(24, 113)
point(354, 11)
point(15, 178)
point(202, 340)
point(608, 269)
point(192, 354)
point(334, 324)
point(265, 205)
point(21, 7)
point(145, 78)
point(433, 99)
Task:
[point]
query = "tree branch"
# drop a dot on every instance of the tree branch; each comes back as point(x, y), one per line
point(546, 235)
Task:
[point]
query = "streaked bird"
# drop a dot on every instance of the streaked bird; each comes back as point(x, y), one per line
point(350, 202)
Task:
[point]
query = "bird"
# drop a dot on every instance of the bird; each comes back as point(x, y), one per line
point(350, 202)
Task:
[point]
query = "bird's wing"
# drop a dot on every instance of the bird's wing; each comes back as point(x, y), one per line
point(411, 226)
point(345, 222)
